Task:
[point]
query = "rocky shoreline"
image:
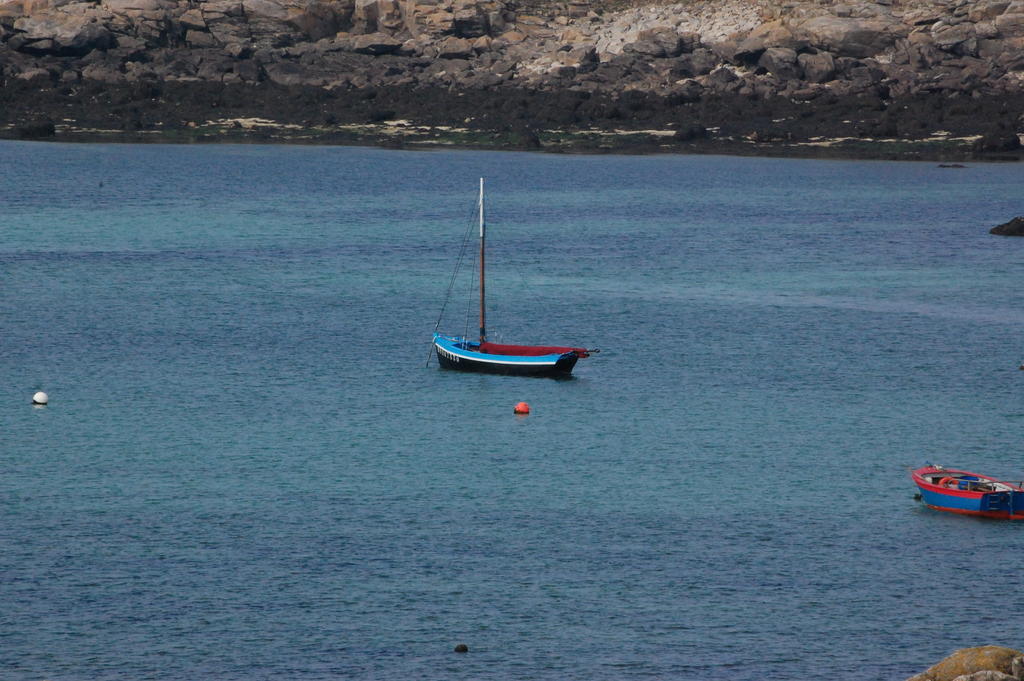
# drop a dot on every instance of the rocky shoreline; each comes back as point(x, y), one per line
point(890, 80)
point(420, 119)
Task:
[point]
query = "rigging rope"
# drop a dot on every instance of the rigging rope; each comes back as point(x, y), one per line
point(455, 273)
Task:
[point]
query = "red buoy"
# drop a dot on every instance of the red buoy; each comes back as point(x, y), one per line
point(522, 408)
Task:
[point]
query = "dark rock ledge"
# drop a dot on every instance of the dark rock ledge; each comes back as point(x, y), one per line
point(1014, 227)
point(940, 80)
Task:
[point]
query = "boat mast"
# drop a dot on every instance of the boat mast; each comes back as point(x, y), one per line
point(483, 325)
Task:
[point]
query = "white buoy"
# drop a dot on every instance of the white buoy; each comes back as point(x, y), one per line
point(40, 398)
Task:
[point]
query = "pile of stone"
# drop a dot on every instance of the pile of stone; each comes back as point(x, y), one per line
point(801, 50)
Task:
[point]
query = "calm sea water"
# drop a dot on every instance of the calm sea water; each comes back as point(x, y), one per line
point(247, 469)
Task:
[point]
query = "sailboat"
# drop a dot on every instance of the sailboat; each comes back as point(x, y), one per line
point(464, 354)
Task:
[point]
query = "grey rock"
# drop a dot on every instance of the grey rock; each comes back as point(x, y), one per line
point(780, 61)
point(92, 36)
point(455, 48)
point(214, 67)
point(268, 9)
point(950, 37)
point(64, 35)
point(200, 39)
point(35, 75)
point(321, 20)
point(1001, 50)
point(45, 46)
point(375, 43)
point(238, 50)
point(193, 19)
point(980, 11)
point(850, 37)
point(288, 73)
point(645, 48)
point(721, 76)
point(225, 8)
point(671, 43)
point(772, 34)
point(727, 50)
point(703, 61)
point(864, 73)
point(986, 30)
point(688, 91)
point(104, 73)
point(817, 68)
point(136, 6)
point(1010, 25)
point(131, 44)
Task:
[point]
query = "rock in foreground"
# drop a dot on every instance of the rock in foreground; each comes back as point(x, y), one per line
point(985, 663)
point(1014, 227)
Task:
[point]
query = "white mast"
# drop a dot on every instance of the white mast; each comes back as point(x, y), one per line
point(483, 325)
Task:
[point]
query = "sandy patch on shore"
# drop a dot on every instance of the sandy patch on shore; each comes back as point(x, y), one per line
point(612, 133)
point(832, 141)
point(253, 123)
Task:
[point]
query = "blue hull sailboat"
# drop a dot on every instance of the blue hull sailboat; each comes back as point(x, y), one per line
point(464, 354)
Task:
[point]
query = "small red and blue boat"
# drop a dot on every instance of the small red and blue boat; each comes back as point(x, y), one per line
point(468, 354)
point(956, 491)
point(454, 352)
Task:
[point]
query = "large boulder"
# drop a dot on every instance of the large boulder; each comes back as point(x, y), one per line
point(320, 21)
point(136, 7)
point(960, 39)
point(645, 48)
point(268, 23)
point(780, 61)
point(771, 34)
point(728, 50)
point(970, 660)
point(720, 77)
point(224, 21)
point(986, 9)
point(852, 37)
point(1014, 227)
point(1010, 25)
point(817, 68)
point(103, 73)
point(670, 42)
point(64, 34)
point(455, 48)
point(375, 43)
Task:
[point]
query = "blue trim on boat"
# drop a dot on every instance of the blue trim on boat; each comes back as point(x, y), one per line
point(958, 491)
point(462, 348)
point(951, 501)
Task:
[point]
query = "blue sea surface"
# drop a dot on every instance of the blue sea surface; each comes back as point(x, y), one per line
point(250, 467)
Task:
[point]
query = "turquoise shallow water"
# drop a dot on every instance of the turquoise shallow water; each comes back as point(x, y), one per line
point(247, 471)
